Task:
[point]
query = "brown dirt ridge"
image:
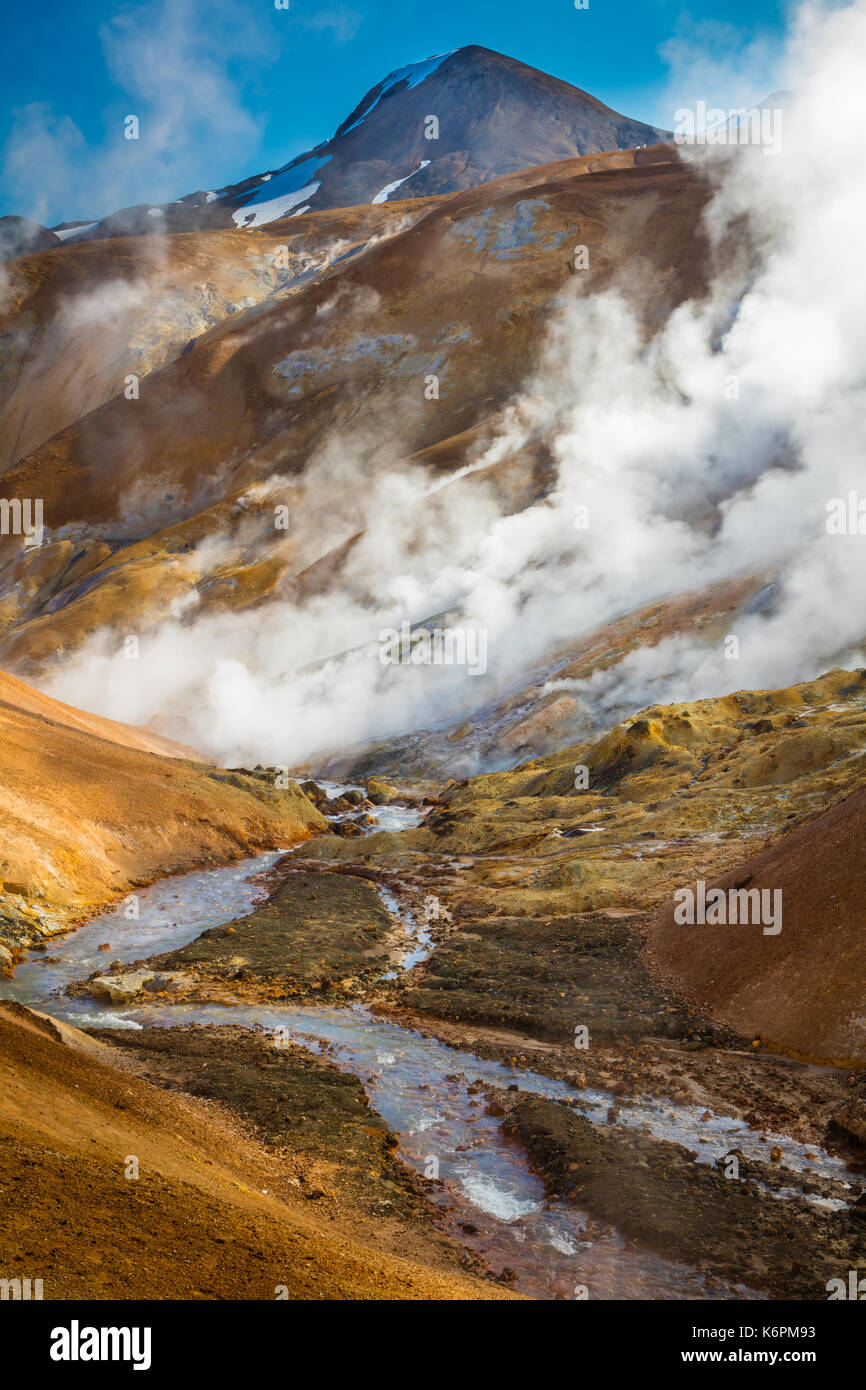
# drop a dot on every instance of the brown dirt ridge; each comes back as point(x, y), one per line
point(803, 990)
point(92, 808)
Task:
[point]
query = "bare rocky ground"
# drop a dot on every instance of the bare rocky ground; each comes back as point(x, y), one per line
point(541, 907)
point(313, 1118)
point(215, 1209)
point(657, 1195)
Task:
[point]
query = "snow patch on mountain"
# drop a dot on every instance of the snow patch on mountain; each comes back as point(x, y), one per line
point(64, 233)
point(274, 208)
point(286, 190)
point(413, 75)
point(384, 194)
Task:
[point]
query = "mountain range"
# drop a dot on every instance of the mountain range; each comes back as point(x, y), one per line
point(437, 126)
point(493, 362)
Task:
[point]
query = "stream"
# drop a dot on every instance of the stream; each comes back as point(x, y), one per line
point(429, 1094)
point(391, 818)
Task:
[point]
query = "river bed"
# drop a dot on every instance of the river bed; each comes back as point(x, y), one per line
point(428, 1093)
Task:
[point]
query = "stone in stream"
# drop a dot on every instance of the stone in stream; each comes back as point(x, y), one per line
point(123, 988)
point(120, 989)
point(379, 792)
point(347, 829)
point(315, 793)
point(354, 797)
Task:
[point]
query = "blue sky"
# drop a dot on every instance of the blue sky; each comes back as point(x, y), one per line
point(227, 88)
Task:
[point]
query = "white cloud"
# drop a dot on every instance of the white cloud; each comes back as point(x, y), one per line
point(340, 21)
point(718, 63)
point(174, 62)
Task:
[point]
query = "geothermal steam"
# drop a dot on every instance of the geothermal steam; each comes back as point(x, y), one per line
point(709, 452)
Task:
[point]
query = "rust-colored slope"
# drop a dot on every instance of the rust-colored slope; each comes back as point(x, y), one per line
point(802, 990)
point(81, 318)
point(222, 412)
point(15, 696)
point(89, 809)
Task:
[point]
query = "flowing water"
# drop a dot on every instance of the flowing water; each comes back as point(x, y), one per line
point(429, 1094)
point(393, 818)
point(169, 915)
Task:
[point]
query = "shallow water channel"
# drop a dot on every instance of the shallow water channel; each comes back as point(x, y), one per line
point(423, 1089)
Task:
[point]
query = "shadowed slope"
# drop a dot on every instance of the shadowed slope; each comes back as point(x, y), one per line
point(802, 990)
